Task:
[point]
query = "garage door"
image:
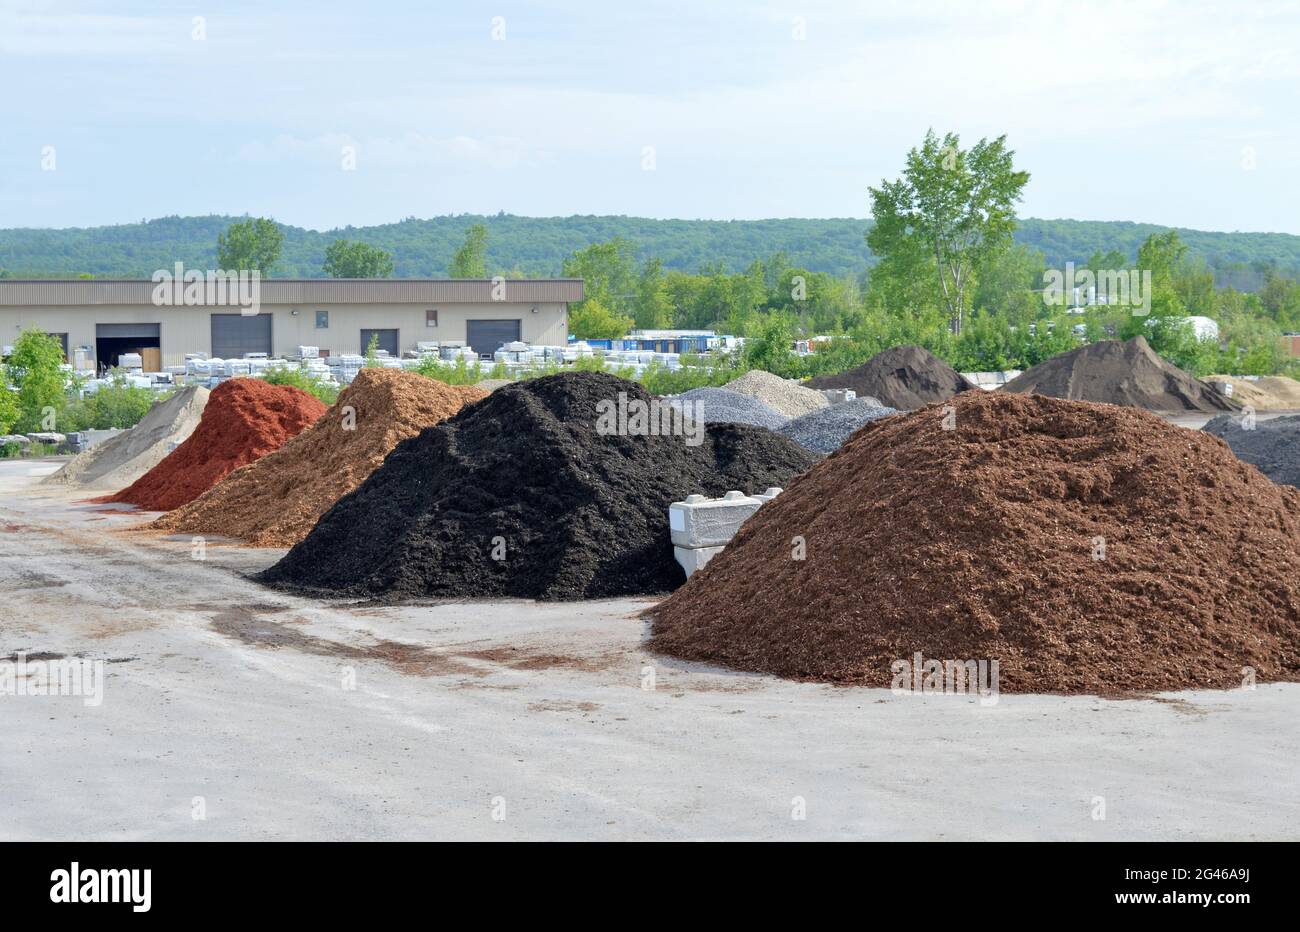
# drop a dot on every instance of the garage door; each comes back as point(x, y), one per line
point(488, 336)
point(233, 335)
point(133, 331)
point(387, 340)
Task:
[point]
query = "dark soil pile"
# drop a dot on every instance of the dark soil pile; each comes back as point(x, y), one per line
point(905, 377)
point(245, 418)
point(981, 543)
point(277, 500)
point(526, 476)
point(1129, 373)
point(1272, 446)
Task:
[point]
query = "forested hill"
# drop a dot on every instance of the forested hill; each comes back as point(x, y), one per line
point(538, 245)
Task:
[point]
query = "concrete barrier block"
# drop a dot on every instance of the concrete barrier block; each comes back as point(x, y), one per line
point(709, 522)
point(693, 559)
point(839, 395)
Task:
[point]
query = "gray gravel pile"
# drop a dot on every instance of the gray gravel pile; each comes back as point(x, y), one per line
point(781, 395)
point(826, 430)
point(1271, 446)
point(723, 406)
point(123, 458)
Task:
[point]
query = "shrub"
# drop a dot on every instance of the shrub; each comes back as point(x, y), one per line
point(327, 392)
point(119, 404)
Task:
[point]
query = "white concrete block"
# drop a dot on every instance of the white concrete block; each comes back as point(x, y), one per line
point(709, 522)
point(839, 395)
point(693, 559)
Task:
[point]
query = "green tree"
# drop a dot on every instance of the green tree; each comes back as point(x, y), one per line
point(654, 305)
point(372, 352)
point(347, 259)
point(591, 320)
point(1280, 299)
point(1161, 255)
point(250, 245)
point(1011, 283)
point(8, 404)
point(771, 350)
point(957, 205)
point(608, 273)
point(42, 387)
point(470, 260)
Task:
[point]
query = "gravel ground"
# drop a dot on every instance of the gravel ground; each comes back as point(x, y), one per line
point(823, 431)
point(781, 395)
point(723, 406)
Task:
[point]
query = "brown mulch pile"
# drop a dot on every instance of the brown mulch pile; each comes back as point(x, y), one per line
point(277, 500)
point(979, 543)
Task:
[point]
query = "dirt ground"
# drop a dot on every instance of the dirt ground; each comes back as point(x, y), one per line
point(234, 712)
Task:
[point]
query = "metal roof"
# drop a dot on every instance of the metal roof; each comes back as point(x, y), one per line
point(42, 292)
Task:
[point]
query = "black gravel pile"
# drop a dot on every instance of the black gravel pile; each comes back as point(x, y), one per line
point(1273, 446)
point(524, 475)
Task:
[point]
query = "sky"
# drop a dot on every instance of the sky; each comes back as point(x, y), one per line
point(323, 114)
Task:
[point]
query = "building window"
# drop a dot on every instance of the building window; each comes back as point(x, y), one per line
point(431, 317)
point(63, 341)
point(322, 320)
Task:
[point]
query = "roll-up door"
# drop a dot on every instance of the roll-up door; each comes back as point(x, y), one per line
point(488, 336)
point(233, 335)
point(387, 341)
point(132, 331)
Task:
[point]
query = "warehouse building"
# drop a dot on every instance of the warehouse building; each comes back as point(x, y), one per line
point(97, 320)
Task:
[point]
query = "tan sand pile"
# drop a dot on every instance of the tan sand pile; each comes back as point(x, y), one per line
point(277, 500)
point(1266, 393)
point(1284, 391)
point(122, 459)
point(1242, 391)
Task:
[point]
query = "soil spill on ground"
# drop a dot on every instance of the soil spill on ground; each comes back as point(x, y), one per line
point(248, 624)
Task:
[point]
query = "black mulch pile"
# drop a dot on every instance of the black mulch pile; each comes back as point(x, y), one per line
point(525, 475)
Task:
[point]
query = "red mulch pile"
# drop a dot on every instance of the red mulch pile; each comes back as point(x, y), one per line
point(245, 418)
point(979, 543)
